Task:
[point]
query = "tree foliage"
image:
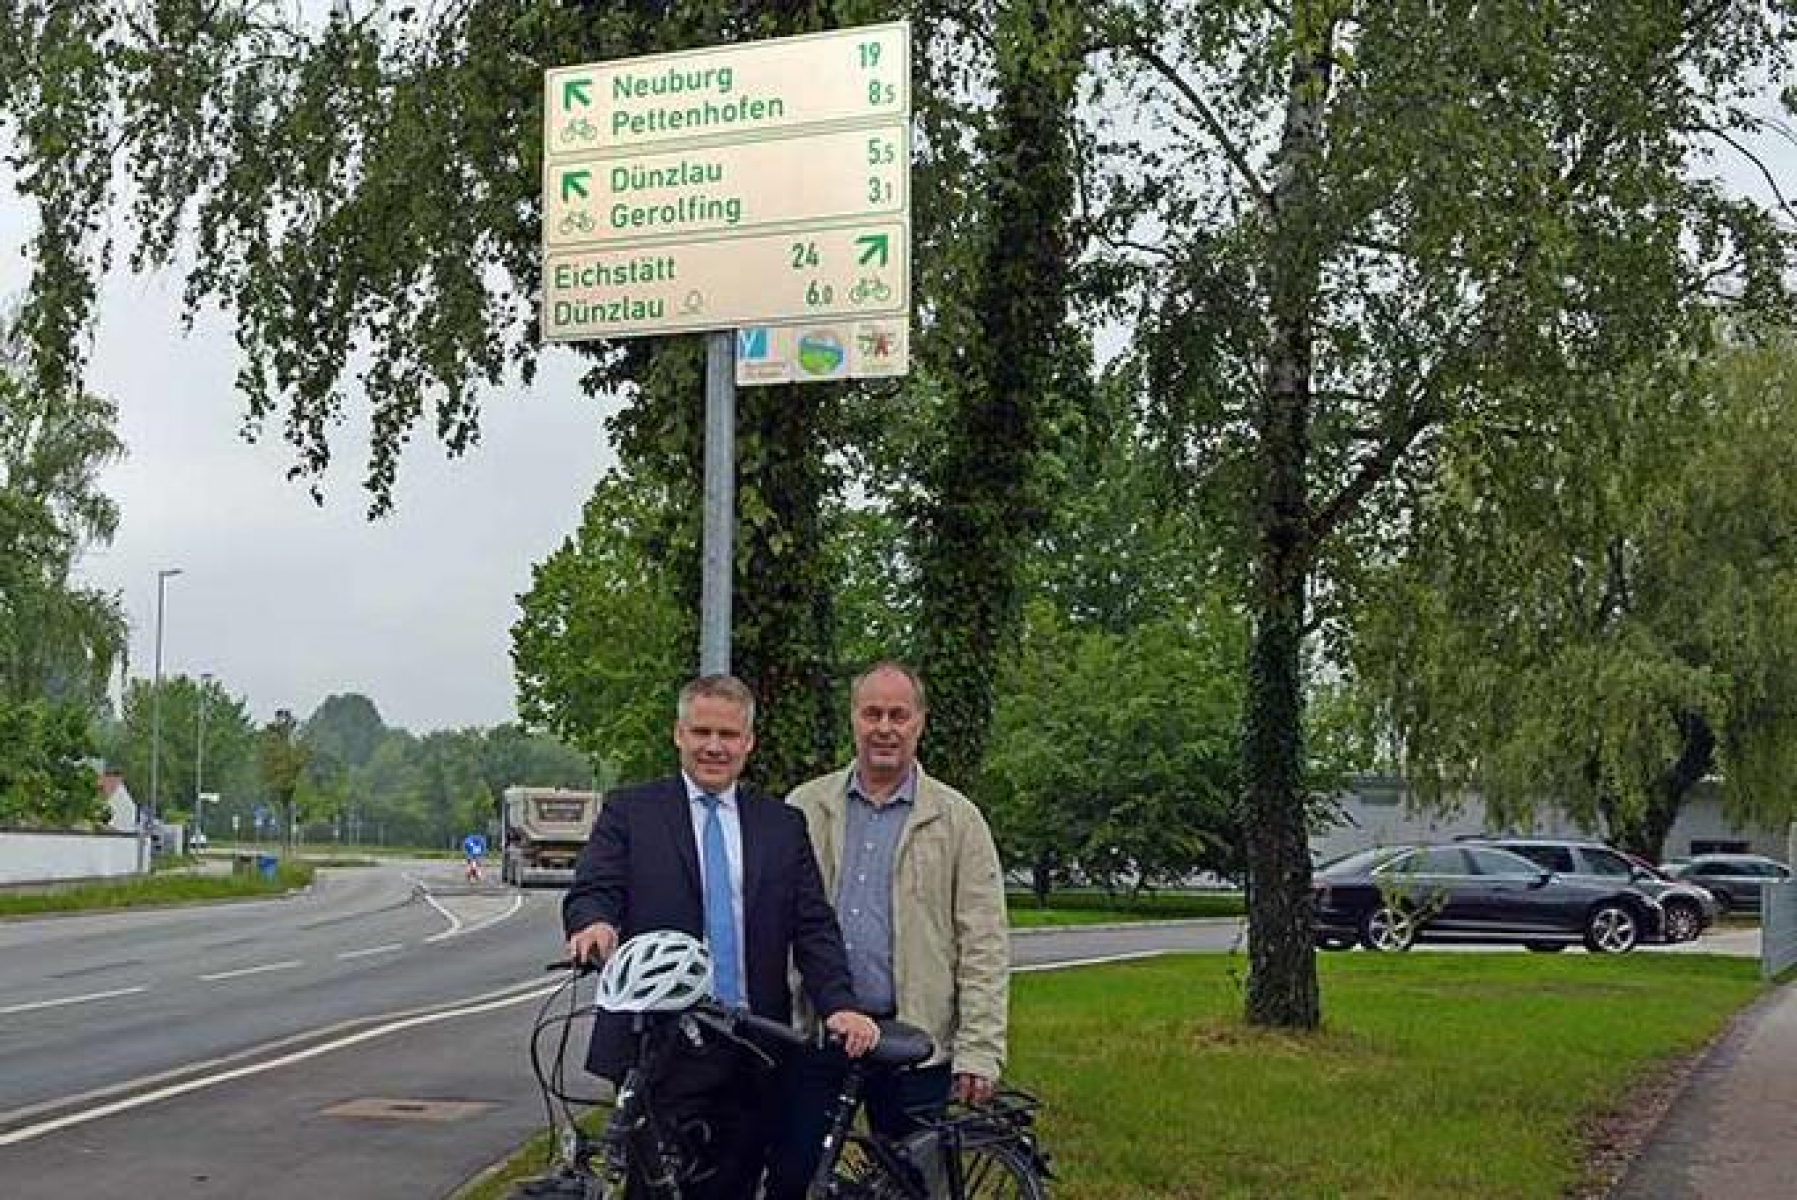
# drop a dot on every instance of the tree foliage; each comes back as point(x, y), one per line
point(1604, 615)
point(215, 751)
point(58, 640)
point(46, 779)
point(363, 783)
point(1114, 756)
point(598, 646)
point(281, 765)
point(1369, 226)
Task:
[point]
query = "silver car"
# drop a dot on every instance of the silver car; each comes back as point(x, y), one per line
point(1736, 880)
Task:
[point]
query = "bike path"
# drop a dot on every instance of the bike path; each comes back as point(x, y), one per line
point(1728, 1135)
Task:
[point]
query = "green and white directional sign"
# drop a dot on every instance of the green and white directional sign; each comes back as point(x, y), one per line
point(725, 92)
point(848, 174)
point(749, 185)
point(725, 281)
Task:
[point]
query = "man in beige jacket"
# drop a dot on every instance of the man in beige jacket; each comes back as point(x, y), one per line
point(911, 866)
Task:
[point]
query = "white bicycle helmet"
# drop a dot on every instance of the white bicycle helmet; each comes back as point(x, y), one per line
point(663, 970)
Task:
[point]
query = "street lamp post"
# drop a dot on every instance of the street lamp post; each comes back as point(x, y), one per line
point(199, 762)
point(162, 578)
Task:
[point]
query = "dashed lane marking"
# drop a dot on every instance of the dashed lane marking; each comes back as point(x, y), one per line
point(289, 965)
point(389, 948)
point(58, 1003)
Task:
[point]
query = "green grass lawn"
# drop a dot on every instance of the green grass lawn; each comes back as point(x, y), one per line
point(159, 889)
point(1436, 1075)
point(1096, 908)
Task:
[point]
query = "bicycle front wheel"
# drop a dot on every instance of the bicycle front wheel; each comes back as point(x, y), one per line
point(999, 1171)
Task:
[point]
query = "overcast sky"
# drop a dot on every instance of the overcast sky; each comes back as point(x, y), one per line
point(287, 602)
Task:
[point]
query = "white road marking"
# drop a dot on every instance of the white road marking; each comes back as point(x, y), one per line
point(1089, 962)
point(517, 903)
point(389, 948)
point(250, 1054)
point(16, 1008)
point(30, 1132)
point(280, 966)
point(455, 922)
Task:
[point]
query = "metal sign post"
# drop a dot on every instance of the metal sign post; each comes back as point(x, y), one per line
point(718, 553)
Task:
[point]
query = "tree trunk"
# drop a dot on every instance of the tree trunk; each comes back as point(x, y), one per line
point(1282, 978)
point(1282, 984)
point(1042, 877)
point(1646, 835)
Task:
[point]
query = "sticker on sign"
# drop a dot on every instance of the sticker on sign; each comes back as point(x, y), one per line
point(819, 353)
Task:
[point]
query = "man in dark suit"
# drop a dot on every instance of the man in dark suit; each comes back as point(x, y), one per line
point(702, 854)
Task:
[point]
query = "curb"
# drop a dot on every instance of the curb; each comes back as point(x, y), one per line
point(1172, 923)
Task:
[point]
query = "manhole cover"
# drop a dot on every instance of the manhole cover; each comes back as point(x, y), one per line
point(378, 1108)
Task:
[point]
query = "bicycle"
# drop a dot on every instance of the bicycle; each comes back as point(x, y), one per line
point(989, 1153)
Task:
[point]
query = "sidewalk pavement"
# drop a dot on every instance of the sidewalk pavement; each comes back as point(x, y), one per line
point(1729, 1134)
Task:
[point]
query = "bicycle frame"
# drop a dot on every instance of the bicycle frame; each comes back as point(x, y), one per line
point(1007, 1119)
point(633, 1116)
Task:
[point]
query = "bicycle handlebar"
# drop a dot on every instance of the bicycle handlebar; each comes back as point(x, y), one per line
point(588, 967)
point(738, 1021)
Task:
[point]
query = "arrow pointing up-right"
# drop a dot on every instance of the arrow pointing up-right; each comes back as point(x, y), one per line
point(874, 245)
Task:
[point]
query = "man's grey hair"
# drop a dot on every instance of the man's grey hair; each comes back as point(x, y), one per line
point(717, 687)
point(892, 664)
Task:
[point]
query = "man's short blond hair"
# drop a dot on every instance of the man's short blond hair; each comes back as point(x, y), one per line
point(717, 687)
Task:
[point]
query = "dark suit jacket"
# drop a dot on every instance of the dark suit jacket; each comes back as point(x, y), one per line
point(640, 871)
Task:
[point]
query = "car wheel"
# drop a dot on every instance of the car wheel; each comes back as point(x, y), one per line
point(1612, 929)
point(1546, 947)
point(1388, 928)
point(1683, 923)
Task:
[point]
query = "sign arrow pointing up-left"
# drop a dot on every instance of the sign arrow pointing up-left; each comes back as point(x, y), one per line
point(575, 183)
point(576, 89)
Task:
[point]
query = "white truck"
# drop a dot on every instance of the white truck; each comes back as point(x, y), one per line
point(544, 829)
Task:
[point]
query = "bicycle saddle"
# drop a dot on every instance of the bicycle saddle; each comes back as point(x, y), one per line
point(900, 1045)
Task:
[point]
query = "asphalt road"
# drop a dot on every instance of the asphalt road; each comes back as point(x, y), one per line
point(364, 1040)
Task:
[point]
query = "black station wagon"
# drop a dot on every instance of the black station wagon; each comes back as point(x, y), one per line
point(1391, 897)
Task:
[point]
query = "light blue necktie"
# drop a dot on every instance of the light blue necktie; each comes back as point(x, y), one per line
point(720, 908)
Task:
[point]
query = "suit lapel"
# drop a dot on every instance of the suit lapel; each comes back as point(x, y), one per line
point(678, 814)
point(753, 811)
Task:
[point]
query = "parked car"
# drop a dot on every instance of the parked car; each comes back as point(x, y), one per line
point(1391, 897)
point(1736, 880)
point(1688, 909)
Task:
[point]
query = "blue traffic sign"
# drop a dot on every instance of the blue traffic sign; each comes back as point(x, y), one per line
point(474, 845)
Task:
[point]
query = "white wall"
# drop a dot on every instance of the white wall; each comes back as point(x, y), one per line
point(1376, 812)
point(40, 857)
